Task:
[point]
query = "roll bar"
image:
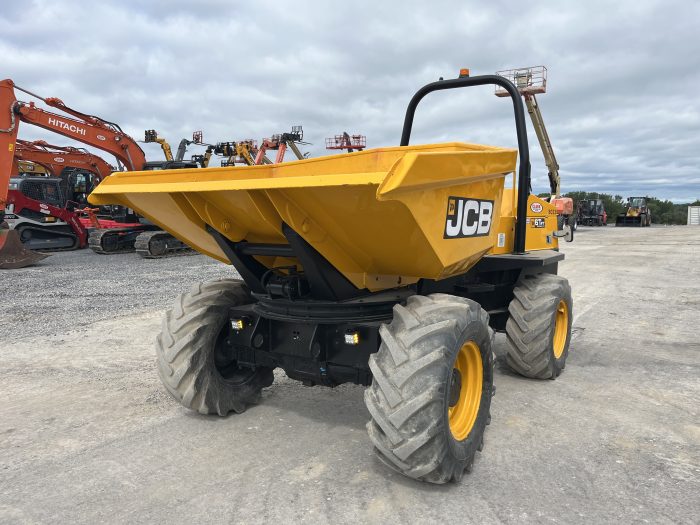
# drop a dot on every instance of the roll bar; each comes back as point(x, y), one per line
point(521, 130)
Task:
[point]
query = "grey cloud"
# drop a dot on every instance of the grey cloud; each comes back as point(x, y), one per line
point(621, 110)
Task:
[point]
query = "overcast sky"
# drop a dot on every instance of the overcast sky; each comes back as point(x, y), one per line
point(622, 107)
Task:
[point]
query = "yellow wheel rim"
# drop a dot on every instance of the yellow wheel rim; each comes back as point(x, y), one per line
point(561, 328)
point(465, 390)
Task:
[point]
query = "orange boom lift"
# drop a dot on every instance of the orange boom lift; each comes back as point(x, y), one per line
point(532, 81)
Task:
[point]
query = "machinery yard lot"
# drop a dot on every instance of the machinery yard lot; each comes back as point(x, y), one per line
point(89, 434)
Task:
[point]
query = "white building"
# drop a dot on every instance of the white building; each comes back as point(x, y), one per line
point(693, 215)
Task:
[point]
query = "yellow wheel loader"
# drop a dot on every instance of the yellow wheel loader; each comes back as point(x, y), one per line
point(389, 268)
point(636, 214)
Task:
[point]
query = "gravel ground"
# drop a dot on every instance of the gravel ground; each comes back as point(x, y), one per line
point(87, 433)
point(73, 290)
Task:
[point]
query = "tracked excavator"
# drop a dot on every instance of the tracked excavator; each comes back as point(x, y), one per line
point(92, 131)
point(49, 212)
point(13, 254)
point(59, 159)
point(48, 215)
point(154, 244)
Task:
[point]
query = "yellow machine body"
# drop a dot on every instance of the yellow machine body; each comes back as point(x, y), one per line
point(383, 217)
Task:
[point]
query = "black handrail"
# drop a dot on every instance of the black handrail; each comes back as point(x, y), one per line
point(521, 130)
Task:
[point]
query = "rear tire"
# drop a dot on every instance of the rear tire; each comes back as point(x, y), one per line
point(539, 326)
point(191, 352)
point(426, 421)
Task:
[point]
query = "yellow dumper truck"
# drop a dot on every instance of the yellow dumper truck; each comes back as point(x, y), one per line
point(389, 268)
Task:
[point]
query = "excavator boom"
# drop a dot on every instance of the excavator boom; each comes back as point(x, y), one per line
point(9, 127)
point(57, 158)
point(550, 160)
point(13, 254)
point(87, 129)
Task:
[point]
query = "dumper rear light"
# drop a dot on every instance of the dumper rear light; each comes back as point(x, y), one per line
point(352, 338)
point(238, 324)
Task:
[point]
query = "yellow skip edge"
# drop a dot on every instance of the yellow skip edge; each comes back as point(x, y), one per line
point(358, 210)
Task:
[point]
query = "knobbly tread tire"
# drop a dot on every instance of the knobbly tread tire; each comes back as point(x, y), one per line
point(185, 351)
point(530, 326)
point(408, 397)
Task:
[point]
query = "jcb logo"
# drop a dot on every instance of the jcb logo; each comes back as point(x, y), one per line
point(468, 218)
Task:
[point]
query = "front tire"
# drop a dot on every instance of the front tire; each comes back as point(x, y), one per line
point(192, 357)
point(432, 384)
point(539, 326)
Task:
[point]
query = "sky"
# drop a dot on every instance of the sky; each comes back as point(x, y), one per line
point(621, 108)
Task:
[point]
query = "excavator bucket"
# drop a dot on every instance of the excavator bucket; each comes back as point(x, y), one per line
point(381, 216)
point(13, 254)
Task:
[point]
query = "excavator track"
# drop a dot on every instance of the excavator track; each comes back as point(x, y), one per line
point(158, 244)
point(112, 240)
point(55, 239)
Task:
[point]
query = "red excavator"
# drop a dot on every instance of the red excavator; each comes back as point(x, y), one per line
point(58, 159)
point(44, 215)
point(96, 132)
point(49, 212)
point(13, 253)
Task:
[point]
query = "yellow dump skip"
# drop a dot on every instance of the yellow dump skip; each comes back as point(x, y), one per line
point(379, 216)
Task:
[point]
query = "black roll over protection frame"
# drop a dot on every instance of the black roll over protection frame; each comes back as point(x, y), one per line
point(521, 130)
